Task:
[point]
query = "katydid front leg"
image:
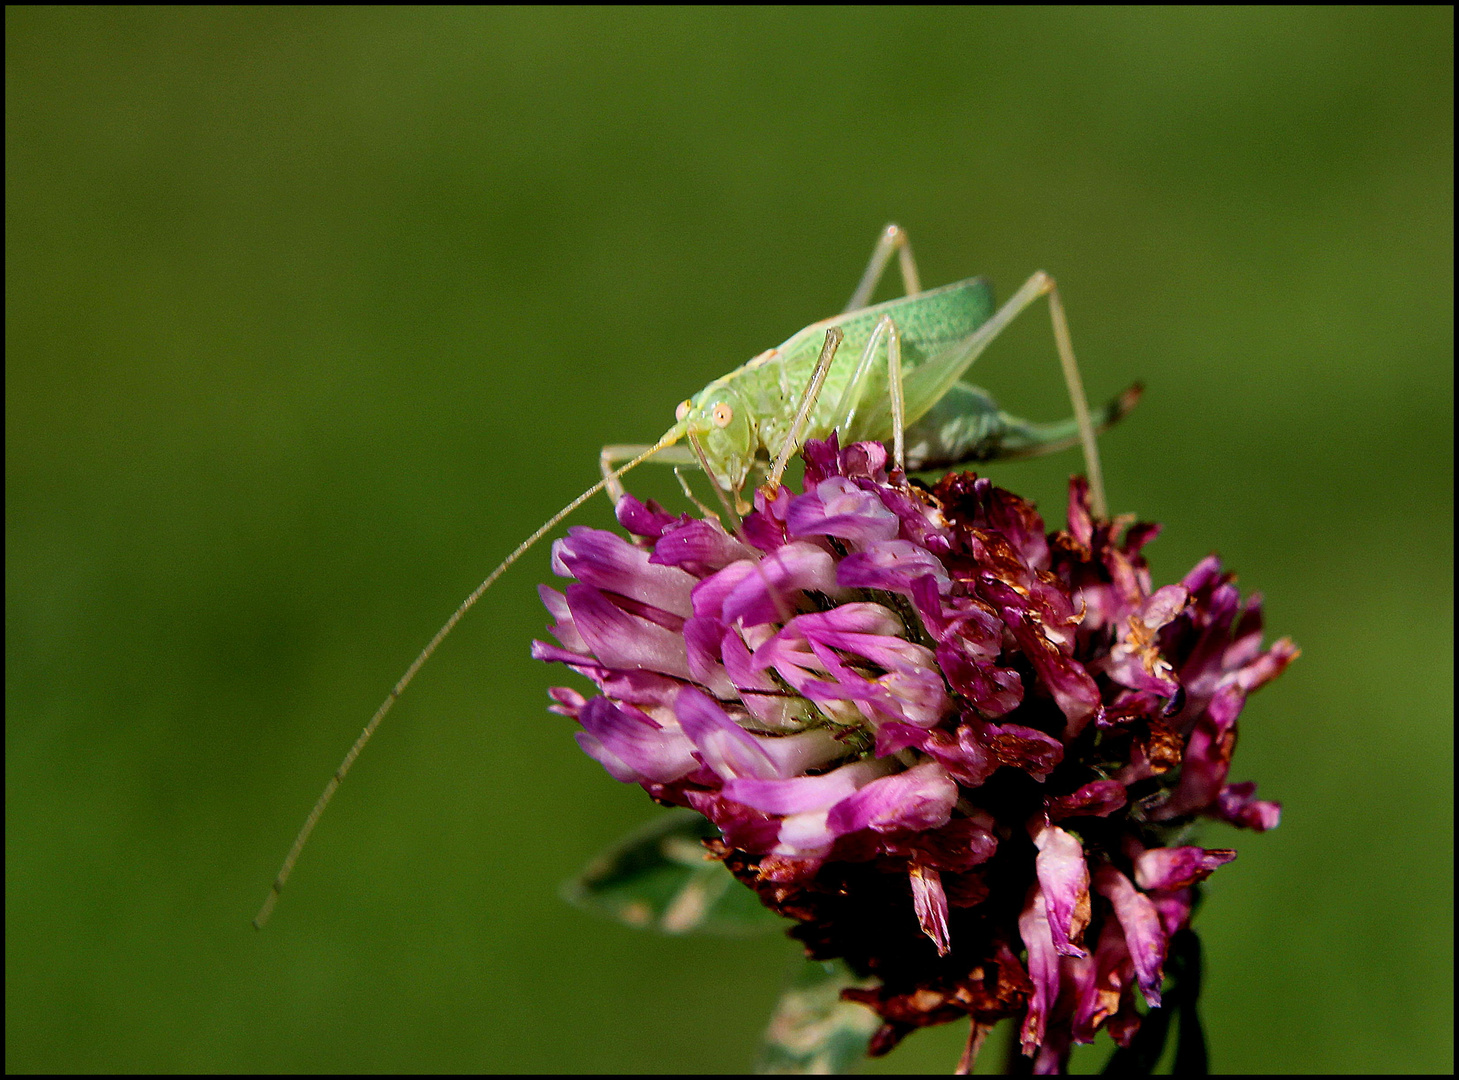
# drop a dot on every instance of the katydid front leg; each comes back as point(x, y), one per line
point(614, 453)
point(807, 402)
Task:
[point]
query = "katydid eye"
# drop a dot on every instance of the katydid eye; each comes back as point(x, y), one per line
point(683, 410)
point(722, 415)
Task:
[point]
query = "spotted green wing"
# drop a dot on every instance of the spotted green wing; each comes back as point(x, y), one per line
point(661, 878)
point(812, 1030)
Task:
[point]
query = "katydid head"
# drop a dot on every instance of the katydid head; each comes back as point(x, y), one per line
point(717, 423)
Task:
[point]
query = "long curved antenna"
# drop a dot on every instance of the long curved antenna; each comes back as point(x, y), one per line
point(330, 788)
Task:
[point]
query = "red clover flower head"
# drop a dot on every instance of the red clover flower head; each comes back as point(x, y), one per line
point(959, 752)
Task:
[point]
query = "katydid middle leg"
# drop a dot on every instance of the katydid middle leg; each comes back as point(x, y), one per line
point(845, 411)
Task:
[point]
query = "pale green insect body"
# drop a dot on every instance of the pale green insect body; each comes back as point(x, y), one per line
point(740, 420)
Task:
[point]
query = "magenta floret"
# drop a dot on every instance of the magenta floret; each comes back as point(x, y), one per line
point(954, 748)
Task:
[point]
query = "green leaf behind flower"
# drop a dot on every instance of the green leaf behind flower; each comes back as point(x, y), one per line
point(812, 1030)
point(659, 877)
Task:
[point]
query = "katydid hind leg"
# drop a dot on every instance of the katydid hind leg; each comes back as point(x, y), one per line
point(844, 415)
point(849, 404)
point(1075, 385)
point(931, 381)
point(892, 238)
point(898, 397)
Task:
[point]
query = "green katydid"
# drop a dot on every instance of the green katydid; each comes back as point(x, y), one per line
point(743, 428)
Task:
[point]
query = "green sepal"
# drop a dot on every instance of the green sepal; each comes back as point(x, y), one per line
point(812, 1030)
point(660, 877)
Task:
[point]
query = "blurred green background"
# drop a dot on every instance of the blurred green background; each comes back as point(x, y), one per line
point(313, 314)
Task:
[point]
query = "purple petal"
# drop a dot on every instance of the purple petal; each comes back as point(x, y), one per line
point(631, 746)
point(765, 525)
point(1174, 908)
point(1268, 665)
point(1135, 660)
point(1098, 798)
point(1177, 867)
point(1081, 520)
point(563, 629)
point(700, 547)
point(1139, 534)
point(1144, 934)
point(964, 754)
point(892, 736)
point(1043, 967)
point(857, 618)
point(893, 565)
point(611, 563)
point(1246, 643)
point(866, 461)
point(645, 519)
point(732, 752)
point(850, 628)
point(1020, 523)
point(568, 701)
point(1204, 575)
point(1100, 991)
point(930, 903)
point(804, 794)
point(1207, 760)
point(822, 459)
point(792, 651)
point(702, 639)
point(978, 749)
point(1072, 687)
point(913, 696)
point(709, 595)
point(768, 593)
point(742, 827)
point(992, 690)
point(648, 690)
point(944, 616)
point(955, 848)
point(552, 654)
point(1025, 748)
point(918, 799)
point(772, 708)
point(837, 507)
point(1053, 1055)
point(805, 839)
point(1163, 605)
point(1237, 805)
point(621, 640)
point(723, 745)
point(1064, 880)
